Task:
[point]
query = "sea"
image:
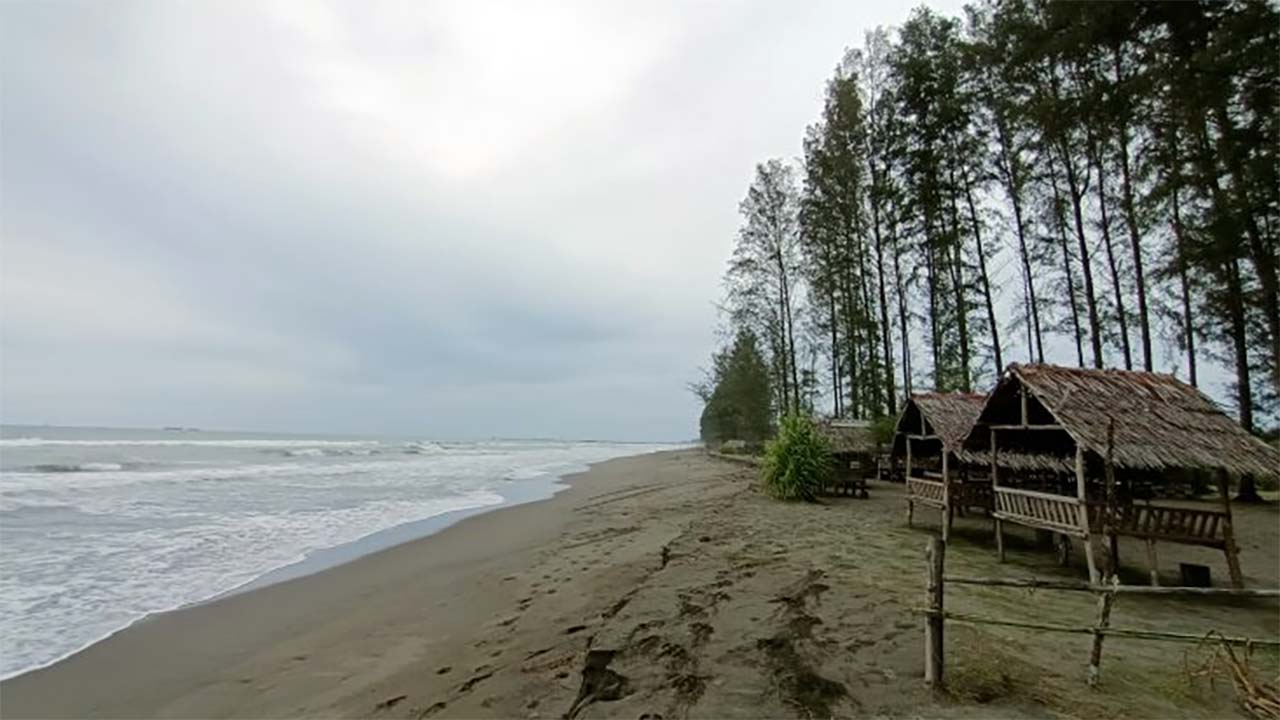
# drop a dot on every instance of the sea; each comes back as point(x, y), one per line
point(100, 527)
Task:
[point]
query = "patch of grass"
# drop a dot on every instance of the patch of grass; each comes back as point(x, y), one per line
point(798, 462)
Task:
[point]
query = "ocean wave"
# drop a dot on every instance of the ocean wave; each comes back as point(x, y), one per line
point(424, 448)
point(525, 474)
point(77, 467)
point(42, 442)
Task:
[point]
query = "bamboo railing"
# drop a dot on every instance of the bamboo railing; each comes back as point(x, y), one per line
point(936, 615)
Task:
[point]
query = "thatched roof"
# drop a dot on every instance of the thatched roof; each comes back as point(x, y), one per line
point(951, 417)
point(849, 436)
point(1160, 422)
point(950, 414)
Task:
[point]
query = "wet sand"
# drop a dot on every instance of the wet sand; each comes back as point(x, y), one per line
point(661, 585)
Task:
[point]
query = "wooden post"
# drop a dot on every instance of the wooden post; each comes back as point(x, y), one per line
point(934, 554)
point(946, 497)
point(906, 479)
point(1022, 396)
point(995, 483)
point(1083, 513)
point(1228, 534)
point(1112, 515)
point(1151, 563)
point(1104, 619)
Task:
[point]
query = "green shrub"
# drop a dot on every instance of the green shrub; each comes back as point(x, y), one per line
point(798, 462)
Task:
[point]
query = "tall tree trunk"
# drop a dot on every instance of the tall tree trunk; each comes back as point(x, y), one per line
point(1261, 252)
point(1239, 342)
point(1076, 191)
point(901, 292)
point(1184, 258)
point(835, 352)
point(1230, 270)
point(791, 345)
point(1013, 186)
point(982, 269)
point(886, 333)
point(957, 279)
point(1121, 313)
point(932, 275)
point(1131, 222)
point(851, 337)
point(873, 386)
point(1059, 209)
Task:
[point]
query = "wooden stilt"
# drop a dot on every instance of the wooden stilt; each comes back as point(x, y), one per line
point(1083, 516)
point(1095, 652)
point(1000, 539)
point(1151, 562)
point(995, 483)
point(1229, 535)
point(946, 497)
point(935, 553)
point(907, 479)
point(1112, 516)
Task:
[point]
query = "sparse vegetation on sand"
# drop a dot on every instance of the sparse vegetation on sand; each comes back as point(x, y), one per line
point(797, 464)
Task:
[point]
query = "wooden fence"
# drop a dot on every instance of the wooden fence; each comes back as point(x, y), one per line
point(936, 614)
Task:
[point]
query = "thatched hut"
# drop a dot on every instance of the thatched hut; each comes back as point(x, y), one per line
point(928, 438)
point(1119, 430)
point(854, 451)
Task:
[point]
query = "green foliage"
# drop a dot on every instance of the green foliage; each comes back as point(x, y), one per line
point(798, 462)
point(738, 395)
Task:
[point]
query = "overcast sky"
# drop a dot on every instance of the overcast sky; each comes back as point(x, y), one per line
point(453, 219)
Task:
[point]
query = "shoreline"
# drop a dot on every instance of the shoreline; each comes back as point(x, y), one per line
point(324, 559)
point(288, 580)
point(656, 585)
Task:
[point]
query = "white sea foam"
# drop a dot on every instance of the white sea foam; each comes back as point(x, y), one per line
point(86, 553)
point(525, 474)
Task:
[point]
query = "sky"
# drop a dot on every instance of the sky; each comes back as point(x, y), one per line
point(457, 219)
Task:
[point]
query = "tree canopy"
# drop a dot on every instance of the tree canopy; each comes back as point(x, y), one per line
point(1082, 183)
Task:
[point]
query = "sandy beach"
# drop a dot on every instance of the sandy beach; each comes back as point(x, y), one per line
point(661, 585)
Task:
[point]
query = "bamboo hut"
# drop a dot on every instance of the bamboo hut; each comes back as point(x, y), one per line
point(853, 452)
point(929, 438)
point(1119, 430)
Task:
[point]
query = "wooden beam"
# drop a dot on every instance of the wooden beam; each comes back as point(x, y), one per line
point(911, 506)
point(946, 497)
point(935, 553)
point(1228, 533)
point(1078, 586)
point(1095, 651)
point(1113, 507)
point(1022, 396)
point(1083, 512)
point(995, 483)
point(1114, 632)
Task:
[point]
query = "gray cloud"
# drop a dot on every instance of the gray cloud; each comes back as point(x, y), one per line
point(458, 219)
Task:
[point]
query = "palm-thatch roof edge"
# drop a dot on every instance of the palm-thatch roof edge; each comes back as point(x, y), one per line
point(1160, 423)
